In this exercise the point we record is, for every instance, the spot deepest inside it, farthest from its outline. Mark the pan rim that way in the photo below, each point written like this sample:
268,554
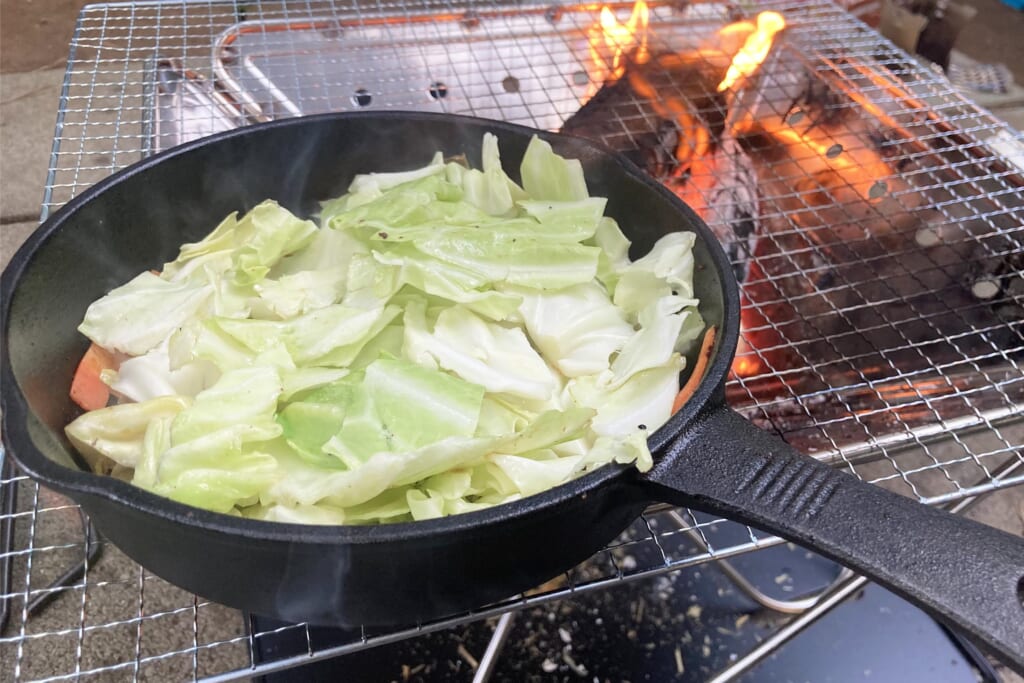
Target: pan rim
77,482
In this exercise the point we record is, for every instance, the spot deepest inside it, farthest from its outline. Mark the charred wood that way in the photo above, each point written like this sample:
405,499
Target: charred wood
667,117
662,114
631,126
995,268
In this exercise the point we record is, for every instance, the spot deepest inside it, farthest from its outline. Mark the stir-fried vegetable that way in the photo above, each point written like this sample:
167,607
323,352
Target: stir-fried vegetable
444,340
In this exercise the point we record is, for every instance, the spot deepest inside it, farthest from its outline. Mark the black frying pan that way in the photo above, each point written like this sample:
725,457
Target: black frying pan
707,457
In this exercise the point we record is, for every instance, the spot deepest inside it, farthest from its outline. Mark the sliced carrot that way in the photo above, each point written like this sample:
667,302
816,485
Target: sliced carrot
690,388
87,389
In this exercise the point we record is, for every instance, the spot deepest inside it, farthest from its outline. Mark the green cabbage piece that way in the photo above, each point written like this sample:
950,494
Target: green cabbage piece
302,292
243,249
140,378
448,281
663,331
137,316
530,475
420,405
313,338
567,221
530,262
270,233
498,358
614,255
643,402
312,419
213,251
666,270
548,176
379,182
117,432
401,406
213,457
577,329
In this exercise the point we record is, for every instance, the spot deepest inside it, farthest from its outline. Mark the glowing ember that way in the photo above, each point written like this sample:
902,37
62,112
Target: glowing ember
611,42
754,49
857,166
746,364
755,331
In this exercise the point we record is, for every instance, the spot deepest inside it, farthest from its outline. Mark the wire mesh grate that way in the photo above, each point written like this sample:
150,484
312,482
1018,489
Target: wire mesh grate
879,254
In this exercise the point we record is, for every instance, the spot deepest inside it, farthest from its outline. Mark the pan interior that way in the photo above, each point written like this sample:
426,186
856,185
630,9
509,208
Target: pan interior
137,220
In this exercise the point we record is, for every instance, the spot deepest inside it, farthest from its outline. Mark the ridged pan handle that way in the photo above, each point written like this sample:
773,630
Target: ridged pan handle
968,575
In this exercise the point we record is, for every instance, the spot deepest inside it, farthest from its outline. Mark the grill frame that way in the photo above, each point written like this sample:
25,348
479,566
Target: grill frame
106,120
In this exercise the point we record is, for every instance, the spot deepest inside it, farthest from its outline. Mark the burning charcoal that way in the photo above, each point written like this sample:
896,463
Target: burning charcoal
662,114
667,117
1010,312
629,125
730,205
1012,309
785,89
984,273
1015,289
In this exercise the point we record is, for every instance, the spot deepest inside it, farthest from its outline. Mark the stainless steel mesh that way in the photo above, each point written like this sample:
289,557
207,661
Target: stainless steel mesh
881,203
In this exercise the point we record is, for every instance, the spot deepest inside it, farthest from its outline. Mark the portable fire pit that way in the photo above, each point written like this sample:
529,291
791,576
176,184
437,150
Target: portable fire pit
874,227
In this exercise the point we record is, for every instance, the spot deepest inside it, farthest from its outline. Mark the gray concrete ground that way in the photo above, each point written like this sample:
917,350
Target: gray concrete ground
29,89
28,110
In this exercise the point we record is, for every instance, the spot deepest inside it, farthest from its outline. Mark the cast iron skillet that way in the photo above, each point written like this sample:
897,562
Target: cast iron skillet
707,457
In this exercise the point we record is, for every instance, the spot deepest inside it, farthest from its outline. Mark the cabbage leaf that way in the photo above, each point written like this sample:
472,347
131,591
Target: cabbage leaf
438,341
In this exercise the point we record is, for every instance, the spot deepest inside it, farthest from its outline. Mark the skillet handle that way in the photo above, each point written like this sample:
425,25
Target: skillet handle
966,574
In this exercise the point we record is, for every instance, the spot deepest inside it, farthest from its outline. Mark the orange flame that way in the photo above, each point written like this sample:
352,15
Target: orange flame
755,331
859,166
614,44
610,41
754,49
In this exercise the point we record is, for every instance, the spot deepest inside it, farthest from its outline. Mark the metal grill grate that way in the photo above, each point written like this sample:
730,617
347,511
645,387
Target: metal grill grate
865,343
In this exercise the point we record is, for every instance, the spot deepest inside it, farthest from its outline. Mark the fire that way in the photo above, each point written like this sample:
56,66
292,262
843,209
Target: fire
611,42
755,49
755,330
617,50
858,166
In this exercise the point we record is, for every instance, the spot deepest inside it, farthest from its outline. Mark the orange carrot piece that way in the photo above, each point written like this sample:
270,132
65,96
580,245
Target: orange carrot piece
87,389
690,388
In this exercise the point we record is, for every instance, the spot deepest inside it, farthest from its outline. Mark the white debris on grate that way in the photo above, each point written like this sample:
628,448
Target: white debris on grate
1010,147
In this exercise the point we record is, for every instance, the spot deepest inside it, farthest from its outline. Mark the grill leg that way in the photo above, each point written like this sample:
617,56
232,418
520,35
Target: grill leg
94,548
750,590
493,651
834,596
504,626
8,506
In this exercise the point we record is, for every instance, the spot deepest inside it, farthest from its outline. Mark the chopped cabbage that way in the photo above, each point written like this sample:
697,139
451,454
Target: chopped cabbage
444,339
137,316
